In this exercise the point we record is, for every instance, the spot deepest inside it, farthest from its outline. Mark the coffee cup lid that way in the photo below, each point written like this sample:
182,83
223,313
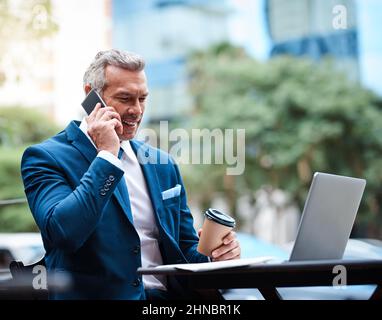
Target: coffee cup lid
220,217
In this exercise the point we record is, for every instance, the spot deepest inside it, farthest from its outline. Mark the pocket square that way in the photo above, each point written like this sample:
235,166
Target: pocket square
173,192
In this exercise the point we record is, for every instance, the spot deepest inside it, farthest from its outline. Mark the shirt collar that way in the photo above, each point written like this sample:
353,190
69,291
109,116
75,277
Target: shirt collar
126,146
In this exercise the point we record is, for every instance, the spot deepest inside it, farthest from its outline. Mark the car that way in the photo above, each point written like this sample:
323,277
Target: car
252,247
25,247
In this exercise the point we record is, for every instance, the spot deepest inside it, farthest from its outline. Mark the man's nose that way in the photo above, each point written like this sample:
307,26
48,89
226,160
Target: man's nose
135,108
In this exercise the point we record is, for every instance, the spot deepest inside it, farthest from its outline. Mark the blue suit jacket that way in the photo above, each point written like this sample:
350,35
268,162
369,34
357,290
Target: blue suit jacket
80,204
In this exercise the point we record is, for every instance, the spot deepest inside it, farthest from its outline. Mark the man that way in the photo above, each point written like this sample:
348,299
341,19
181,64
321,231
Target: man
100,211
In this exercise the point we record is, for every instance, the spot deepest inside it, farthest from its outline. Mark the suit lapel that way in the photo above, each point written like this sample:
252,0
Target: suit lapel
77,138
152,181
86,148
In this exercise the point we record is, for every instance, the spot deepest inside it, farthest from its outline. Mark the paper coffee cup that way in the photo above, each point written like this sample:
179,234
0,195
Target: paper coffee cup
215,227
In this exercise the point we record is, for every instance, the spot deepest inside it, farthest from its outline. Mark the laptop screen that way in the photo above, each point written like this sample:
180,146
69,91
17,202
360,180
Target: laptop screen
328,217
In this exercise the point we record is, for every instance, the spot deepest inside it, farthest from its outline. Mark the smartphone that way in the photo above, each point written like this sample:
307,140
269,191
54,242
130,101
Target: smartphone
91,100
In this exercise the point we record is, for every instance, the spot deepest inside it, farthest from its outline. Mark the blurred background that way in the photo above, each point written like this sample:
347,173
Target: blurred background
302,77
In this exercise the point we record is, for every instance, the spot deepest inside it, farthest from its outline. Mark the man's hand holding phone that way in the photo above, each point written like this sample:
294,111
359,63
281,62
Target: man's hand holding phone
104,125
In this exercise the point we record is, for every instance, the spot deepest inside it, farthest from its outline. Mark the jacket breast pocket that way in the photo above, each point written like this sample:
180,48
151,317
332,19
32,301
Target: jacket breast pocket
172,202
171,217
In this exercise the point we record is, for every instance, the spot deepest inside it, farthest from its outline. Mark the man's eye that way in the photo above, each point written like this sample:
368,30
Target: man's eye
142,99
124,100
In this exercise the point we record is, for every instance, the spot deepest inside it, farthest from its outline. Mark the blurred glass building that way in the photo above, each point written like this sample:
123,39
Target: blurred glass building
164,32
316,29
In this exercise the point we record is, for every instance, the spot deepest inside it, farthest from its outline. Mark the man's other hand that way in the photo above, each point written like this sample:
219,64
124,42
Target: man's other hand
229,250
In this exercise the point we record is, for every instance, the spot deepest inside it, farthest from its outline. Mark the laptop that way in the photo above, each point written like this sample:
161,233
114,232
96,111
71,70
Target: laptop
328,217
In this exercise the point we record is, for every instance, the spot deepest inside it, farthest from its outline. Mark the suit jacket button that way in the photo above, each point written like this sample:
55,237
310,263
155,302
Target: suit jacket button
111,178
136,249
136,282
106,189
102,193
108,183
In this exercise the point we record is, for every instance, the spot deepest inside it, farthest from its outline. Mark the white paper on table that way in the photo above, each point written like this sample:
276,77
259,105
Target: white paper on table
219,265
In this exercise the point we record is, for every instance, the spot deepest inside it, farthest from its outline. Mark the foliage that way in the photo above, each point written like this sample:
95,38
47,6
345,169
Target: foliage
23,126
299,116
18,127
13,217
24,25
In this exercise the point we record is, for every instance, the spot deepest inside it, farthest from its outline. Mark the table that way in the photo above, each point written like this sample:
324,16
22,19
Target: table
267,277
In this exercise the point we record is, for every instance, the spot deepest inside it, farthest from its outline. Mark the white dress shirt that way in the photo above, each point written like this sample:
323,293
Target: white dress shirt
141,207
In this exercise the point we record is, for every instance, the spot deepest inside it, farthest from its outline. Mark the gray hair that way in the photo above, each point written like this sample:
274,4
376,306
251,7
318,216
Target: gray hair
95,74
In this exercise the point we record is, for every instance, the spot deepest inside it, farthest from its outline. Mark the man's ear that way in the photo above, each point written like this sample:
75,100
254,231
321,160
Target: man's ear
87,88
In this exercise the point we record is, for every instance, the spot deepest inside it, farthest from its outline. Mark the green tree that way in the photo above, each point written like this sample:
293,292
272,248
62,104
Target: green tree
299,116
24,25
19,127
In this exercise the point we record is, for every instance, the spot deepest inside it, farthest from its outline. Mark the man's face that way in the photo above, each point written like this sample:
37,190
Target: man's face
126,91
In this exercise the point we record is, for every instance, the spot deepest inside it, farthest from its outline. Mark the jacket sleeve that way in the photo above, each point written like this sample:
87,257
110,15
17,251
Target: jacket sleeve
65,215
188,238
